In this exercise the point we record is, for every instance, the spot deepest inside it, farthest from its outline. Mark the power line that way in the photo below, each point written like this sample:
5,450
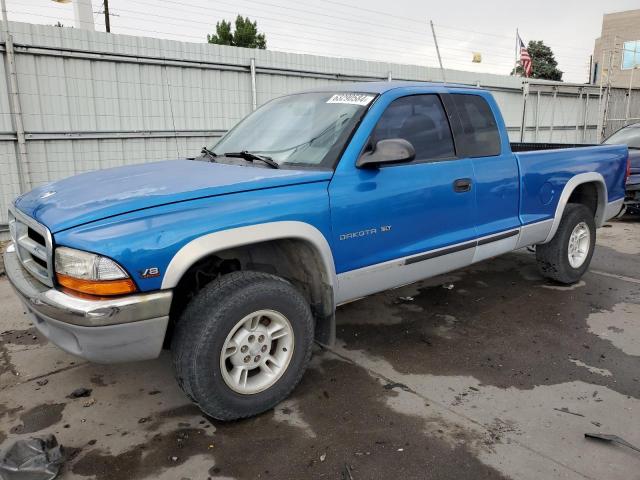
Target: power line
452,56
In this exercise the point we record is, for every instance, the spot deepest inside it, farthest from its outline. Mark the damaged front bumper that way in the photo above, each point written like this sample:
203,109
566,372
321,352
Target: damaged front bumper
114,330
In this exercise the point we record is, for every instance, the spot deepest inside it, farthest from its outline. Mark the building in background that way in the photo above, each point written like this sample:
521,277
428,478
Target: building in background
616,55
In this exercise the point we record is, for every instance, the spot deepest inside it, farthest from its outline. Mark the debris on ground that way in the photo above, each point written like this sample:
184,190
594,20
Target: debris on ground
566,410
392,385
90,402
406,299
80,392
32,459
611,439
347,473
43,382
323,457
448,286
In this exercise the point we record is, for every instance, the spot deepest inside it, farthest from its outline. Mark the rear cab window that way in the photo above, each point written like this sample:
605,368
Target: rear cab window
479,135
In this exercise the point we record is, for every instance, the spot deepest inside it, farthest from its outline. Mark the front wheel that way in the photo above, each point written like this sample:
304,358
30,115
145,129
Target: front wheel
568,255
242,344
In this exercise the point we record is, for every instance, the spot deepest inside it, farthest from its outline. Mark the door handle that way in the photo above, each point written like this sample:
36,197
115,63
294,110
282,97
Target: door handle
462,185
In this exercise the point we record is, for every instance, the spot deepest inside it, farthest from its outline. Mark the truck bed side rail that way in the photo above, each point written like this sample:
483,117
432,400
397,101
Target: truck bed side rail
534,146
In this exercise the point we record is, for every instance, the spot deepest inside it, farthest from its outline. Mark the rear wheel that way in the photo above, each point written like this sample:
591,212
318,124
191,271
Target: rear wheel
242,344
568,255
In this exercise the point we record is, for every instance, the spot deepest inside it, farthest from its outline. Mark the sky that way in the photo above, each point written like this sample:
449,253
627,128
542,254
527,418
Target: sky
379,30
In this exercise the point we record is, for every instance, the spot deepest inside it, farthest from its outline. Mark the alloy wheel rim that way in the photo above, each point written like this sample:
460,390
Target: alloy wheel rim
579,243
257,352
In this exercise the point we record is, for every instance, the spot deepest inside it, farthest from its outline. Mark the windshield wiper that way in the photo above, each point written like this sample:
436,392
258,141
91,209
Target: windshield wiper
208,153
252,157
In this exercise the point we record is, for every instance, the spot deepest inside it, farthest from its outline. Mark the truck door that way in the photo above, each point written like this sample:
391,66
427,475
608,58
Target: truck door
398,223
477,133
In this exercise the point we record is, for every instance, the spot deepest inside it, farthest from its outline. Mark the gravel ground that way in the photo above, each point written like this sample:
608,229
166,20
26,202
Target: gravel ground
489,372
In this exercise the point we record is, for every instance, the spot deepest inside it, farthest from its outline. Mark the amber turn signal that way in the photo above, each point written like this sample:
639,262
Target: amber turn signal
97,287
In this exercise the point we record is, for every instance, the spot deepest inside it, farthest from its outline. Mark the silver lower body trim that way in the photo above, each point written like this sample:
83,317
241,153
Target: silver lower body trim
402,271
534,233
613,208
395,273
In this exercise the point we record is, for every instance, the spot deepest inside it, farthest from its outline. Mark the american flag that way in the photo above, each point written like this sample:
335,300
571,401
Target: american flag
525,58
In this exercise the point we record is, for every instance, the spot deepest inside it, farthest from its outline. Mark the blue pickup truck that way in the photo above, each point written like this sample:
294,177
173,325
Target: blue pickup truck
236,260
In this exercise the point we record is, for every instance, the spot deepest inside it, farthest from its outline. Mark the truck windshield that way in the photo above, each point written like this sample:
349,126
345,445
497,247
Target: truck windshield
308,129
629,136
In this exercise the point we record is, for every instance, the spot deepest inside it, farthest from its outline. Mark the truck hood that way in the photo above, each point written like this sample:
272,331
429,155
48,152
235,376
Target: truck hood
96,195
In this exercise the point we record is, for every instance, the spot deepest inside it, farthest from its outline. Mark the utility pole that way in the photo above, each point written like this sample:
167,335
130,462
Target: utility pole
107,25
435,40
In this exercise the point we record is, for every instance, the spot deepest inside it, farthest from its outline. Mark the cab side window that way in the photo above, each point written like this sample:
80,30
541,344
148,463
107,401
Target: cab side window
421,120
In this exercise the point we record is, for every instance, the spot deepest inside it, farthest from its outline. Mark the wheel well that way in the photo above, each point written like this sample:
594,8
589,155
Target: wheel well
587,194
293,259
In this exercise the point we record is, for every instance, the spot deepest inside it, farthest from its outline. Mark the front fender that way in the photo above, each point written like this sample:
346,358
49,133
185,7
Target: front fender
211,243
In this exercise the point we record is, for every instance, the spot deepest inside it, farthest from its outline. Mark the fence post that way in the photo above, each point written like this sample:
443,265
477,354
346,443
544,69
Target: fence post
586,118
553,112
580,89
14,99
525,94
628,110
535,135
254,94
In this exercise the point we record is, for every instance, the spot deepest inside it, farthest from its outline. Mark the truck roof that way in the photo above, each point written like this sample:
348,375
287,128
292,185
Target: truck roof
383,86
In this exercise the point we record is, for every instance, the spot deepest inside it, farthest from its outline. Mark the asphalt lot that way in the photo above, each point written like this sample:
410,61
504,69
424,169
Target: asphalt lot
489,372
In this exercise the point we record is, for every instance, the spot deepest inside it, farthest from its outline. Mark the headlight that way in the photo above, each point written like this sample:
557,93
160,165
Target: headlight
90,273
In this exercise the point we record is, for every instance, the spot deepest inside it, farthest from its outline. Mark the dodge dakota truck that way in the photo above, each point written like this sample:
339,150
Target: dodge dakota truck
236,260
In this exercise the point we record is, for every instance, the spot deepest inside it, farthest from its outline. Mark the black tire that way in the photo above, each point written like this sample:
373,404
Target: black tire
203,328
553,257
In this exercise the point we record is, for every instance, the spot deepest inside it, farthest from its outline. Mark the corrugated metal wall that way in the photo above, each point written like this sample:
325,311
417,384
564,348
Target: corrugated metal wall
93,100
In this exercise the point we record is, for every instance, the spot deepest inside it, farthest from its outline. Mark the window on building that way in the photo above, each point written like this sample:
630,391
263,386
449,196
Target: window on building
631,54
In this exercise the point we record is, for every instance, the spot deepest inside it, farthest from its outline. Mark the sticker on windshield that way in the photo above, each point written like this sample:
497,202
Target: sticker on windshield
352,98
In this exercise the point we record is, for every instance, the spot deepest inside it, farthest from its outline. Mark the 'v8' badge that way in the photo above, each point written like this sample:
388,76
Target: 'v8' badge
150,272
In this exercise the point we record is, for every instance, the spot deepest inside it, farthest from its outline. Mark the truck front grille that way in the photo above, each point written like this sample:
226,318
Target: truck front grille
33,246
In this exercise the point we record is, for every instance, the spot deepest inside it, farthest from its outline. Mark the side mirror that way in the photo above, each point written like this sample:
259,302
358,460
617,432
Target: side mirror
392,150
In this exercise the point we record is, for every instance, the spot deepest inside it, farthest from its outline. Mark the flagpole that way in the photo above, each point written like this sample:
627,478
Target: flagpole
515,67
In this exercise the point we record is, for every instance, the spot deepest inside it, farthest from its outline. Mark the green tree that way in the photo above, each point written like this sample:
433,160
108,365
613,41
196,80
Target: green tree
543,62
245,34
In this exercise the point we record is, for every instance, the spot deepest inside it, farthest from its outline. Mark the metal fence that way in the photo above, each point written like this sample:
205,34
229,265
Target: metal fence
91,100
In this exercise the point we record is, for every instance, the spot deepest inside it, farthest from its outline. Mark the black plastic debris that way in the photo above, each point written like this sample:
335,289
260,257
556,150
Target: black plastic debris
605,437
392,385
32,459
80,392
